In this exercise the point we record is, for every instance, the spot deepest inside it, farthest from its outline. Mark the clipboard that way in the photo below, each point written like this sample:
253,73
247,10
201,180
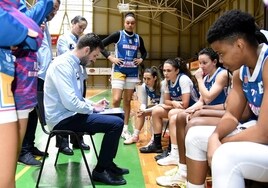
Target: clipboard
111,111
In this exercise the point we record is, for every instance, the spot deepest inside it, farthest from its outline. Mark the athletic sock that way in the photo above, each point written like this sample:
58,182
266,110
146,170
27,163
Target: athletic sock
136,132
174,150
183,169
157,139
189,185
125,128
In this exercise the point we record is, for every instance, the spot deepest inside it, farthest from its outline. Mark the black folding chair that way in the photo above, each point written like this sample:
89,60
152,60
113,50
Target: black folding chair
41,116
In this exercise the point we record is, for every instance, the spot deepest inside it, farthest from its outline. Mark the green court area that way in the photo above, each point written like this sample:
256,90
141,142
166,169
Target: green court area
70,171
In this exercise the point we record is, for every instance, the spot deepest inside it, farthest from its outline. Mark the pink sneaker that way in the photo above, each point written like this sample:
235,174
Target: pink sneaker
131,140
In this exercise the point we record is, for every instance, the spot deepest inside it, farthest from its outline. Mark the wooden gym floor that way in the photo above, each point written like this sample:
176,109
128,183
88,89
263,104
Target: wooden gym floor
70,171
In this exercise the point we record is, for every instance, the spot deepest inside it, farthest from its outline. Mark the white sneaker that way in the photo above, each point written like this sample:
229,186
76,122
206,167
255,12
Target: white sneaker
169,160
171,171
131,140
125,134
172,181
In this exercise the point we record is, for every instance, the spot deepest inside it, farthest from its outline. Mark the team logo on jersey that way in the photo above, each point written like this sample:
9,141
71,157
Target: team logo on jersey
260,87
245,81
77,76
71,47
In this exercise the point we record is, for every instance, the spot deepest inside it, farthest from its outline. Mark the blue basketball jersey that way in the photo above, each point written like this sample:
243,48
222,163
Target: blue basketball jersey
127,49
209,81
154,97
175,89
253,84
176,93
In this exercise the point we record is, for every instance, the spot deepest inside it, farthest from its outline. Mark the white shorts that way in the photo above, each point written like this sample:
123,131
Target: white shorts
196,140
233,162
120,84
23,114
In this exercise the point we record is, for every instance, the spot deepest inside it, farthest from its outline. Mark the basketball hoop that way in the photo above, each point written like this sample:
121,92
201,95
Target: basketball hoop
123,7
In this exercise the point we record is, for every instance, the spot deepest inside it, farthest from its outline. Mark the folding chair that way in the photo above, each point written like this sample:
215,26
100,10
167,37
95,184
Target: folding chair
41,116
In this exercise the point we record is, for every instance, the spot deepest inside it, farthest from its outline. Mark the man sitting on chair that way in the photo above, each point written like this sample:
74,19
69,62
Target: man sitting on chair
66,109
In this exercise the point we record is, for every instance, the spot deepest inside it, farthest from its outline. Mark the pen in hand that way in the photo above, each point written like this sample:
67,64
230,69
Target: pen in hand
104,102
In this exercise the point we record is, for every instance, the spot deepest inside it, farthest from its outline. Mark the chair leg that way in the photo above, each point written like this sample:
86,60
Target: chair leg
57,156
94,147
165,129
43,162
85,160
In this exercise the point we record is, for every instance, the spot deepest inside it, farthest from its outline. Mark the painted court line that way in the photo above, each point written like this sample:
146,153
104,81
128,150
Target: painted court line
24,170
98,94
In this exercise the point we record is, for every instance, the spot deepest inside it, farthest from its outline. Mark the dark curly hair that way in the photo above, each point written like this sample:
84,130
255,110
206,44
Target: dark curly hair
211,54
235,24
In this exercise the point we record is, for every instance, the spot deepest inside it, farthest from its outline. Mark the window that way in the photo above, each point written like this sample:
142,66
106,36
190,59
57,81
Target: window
61,23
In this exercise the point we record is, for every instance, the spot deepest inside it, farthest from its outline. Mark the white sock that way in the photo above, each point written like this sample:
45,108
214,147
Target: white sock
136,132
174,150
183,169
125,128
189,185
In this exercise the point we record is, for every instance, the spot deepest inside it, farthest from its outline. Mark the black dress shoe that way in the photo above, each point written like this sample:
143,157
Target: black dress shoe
108,178
152,148
117,170
66,151
84,146
36,152
81,140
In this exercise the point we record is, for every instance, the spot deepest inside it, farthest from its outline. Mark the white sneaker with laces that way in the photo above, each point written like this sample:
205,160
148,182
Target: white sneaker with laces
131,140
125,134
174,180
171,171
169,160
